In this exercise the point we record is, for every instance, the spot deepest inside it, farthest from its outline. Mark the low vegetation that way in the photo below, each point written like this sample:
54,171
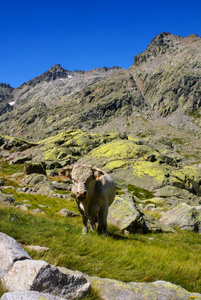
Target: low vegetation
170,257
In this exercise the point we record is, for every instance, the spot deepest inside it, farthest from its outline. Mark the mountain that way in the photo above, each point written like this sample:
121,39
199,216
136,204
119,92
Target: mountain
160,92
6,97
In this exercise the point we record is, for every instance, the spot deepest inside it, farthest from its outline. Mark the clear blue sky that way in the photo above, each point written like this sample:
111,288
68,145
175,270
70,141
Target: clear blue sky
82,35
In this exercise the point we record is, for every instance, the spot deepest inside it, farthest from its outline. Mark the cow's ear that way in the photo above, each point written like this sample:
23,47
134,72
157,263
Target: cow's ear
66,172
97,173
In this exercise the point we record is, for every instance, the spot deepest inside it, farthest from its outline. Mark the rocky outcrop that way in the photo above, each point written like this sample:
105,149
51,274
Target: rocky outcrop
160,290
34,280
15,143
184,217
10,252
7,198
30,168
29,295
126,215
42,277
6,96
118,290
18,272
170,84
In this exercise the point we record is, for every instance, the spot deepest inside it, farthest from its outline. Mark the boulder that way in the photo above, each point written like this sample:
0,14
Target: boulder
40,276
37,248
21,159
184,217
29,295
189,178
7,198
154,225
118,290
42,185
53,165
126,215
62,185
10,252
160,290
30,168
67,213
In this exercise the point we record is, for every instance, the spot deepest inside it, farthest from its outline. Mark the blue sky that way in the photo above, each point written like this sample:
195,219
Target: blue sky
83,35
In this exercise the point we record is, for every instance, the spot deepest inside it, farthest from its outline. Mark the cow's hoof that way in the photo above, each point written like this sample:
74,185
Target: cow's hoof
84,230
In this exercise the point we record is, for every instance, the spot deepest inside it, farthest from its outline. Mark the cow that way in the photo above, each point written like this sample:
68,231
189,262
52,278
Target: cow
94,192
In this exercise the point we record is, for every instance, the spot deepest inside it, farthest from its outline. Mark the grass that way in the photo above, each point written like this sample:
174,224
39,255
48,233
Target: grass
170,257
174,257
140,193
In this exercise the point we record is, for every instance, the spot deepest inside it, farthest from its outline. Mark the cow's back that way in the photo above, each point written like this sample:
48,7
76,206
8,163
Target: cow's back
109,188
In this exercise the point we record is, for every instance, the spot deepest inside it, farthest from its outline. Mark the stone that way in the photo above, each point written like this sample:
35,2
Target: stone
37,248
39,182
29,295
184,217
67,213
1,182
189,178
23,207
30,168
40,276
110,289
21,159
34,179
7,198
10,252
160,290
61,185
37,211
154,225
126,215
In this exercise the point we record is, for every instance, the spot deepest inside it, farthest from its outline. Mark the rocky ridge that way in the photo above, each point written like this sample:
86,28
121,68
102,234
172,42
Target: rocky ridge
161,89
141,125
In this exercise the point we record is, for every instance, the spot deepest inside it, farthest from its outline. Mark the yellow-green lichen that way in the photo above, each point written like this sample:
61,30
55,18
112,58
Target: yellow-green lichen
121,149
155,170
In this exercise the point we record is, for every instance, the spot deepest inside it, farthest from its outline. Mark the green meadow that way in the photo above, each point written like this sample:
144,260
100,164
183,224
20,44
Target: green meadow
174,257
171,257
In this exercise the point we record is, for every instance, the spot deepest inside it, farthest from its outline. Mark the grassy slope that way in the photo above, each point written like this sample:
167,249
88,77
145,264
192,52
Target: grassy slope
171,257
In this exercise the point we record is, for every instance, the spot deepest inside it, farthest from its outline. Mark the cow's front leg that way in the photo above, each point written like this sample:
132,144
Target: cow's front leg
81,209
85,227
92,223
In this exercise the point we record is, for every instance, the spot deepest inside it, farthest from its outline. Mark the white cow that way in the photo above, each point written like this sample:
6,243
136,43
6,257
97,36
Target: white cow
95,191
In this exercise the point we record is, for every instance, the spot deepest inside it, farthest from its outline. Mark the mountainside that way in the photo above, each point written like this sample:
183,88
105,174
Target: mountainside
163,85
143,127
6,96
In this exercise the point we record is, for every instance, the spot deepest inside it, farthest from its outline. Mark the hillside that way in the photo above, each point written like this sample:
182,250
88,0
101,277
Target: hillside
143,127
162,86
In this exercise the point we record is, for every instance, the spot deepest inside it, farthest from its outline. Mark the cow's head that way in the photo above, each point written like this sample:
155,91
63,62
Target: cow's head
83,177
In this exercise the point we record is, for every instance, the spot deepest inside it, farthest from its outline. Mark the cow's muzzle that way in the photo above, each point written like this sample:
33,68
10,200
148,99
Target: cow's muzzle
81,195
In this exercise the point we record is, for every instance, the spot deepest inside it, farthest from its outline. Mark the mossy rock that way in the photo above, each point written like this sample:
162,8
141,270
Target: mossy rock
30,168
189,178
149,175
184,217
8,143
126,215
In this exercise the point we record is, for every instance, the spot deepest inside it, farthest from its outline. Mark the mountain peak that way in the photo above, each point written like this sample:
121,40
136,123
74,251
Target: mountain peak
158,45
